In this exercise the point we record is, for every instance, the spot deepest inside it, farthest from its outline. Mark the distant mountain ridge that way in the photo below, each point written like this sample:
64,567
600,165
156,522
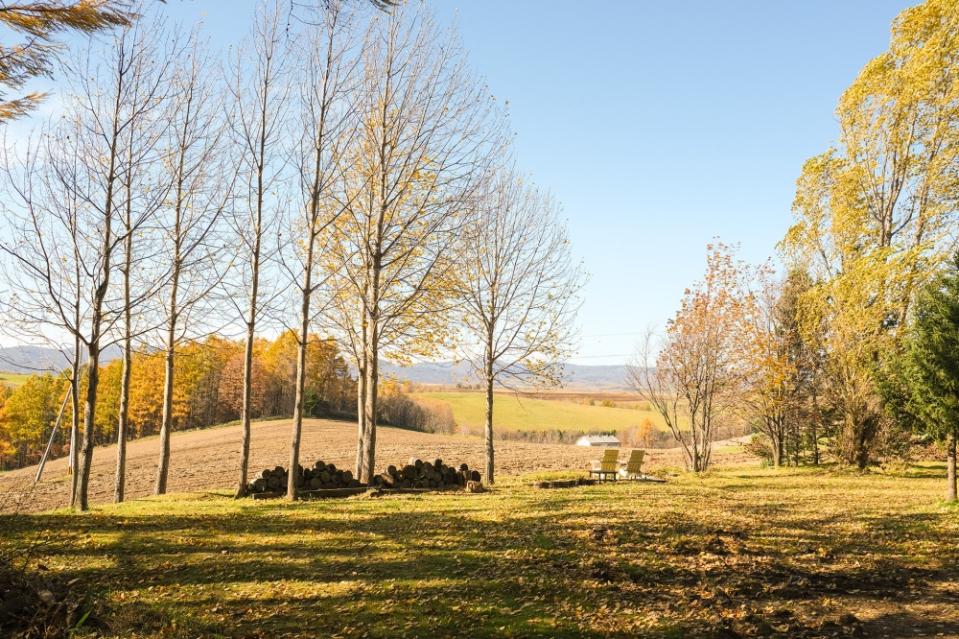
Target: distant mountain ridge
38,359
32,358
577,376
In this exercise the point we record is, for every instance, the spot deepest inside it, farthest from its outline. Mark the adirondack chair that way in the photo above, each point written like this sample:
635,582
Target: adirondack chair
633,468
608,467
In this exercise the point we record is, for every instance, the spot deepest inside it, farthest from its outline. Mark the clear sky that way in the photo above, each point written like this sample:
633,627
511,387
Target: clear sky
658,125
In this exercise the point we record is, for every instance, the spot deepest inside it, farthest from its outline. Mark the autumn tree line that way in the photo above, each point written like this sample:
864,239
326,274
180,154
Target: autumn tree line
208,390
342,172
848,351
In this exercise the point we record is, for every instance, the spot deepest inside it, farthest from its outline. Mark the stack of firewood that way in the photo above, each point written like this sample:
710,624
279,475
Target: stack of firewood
428,475
320,476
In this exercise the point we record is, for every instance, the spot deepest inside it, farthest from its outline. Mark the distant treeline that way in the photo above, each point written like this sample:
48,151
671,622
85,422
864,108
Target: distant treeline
208,390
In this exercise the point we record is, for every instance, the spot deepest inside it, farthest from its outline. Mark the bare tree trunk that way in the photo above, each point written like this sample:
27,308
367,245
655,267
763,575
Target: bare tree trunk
248,366
74,421
489,408
166,418
247,396
777,446
862,437
951,494
89,417
96,328
302,343
372,380
360,418
122,422
93,359
814,435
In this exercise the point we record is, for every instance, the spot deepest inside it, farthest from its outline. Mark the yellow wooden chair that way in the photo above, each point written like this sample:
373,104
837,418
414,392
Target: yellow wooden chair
633,468
608,467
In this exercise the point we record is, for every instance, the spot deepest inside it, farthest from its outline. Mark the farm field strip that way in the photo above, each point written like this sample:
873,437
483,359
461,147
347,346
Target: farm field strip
208,459
517,412
13,379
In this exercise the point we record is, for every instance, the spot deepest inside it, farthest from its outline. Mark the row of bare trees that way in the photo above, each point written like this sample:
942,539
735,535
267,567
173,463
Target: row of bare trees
346,164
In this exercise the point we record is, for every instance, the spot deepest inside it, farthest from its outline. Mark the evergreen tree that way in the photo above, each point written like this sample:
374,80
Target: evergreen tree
928,381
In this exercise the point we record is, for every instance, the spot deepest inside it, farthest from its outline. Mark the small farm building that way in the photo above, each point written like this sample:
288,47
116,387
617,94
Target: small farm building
597,440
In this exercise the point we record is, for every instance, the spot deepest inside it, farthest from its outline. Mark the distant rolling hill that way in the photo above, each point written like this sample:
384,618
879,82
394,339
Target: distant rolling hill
32,359
577,376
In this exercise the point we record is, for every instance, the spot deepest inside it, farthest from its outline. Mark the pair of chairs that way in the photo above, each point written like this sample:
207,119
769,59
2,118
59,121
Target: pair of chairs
609,467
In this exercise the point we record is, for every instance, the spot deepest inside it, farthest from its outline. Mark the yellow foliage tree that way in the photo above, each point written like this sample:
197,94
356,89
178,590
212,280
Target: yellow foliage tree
875,216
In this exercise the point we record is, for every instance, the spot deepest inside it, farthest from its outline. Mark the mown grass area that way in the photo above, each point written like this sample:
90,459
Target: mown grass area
741,552
513,412
13,379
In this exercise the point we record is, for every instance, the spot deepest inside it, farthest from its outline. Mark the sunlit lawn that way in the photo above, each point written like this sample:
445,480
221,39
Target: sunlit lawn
740,552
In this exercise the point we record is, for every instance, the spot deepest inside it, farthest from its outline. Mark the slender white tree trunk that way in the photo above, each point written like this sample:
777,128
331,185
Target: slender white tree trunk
370,408
166,417
247,391
489,408
360,417
123,420
74,422
302,343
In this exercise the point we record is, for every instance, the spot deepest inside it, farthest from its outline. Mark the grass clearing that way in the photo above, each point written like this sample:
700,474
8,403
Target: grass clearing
736,552
13,380
514,412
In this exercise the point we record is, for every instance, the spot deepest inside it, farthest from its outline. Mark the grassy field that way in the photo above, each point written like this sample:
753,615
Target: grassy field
13,379
514,412
836,555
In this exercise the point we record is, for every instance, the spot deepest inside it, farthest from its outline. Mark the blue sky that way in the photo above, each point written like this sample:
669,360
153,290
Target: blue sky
658,125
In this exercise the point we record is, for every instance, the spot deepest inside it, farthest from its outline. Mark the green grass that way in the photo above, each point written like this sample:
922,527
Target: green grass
13,379
739,552
512,412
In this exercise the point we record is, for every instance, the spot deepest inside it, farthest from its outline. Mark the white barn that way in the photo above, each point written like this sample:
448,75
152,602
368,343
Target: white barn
598,440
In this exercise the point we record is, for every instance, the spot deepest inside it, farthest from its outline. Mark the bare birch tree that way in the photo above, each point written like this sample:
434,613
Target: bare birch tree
428,130
327,121
142,198
259,89
29,316
61,250
200,187
519,291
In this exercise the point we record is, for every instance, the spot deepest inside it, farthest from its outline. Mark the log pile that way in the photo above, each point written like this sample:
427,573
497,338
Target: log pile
320,476
433,475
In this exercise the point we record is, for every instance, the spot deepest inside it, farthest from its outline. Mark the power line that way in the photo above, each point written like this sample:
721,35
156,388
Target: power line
615,334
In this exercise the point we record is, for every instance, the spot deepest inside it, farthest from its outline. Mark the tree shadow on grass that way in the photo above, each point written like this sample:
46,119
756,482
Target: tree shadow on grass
902,624
424,566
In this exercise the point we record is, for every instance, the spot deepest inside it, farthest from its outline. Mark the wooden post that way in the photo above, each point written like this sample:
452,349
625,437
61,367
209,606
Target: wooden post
53,434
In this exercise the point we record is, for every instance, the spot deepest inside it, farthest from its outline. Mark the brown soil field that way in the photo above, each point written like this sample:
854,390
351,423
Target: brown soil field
207,459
